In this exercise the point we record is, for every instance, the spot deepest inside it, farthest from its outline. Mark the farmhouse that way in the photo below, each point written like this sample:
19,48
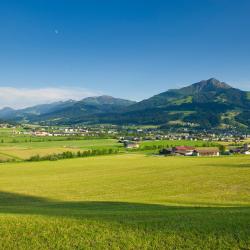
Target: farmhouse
41,133
207,152
183,150
246,147
131,144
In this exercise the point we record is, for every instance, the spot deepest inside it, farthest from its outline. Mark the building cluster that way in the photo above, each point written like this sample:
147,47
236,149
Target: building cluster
6,125
204,151
245,149
190,151
131,144
68,131
156,134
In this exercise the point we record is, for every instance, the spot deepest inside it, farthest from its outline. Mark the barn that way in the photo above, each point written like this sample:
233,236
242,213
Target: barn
207,152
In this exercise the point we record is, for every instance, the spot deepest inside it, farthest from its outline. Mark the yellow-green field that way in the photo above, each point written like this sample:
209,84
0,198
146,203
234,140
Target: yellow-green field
128,201
25,150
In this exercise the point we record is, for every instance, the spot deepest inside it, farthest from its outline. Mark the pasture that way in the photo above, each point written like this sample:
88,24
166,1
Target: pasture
128,201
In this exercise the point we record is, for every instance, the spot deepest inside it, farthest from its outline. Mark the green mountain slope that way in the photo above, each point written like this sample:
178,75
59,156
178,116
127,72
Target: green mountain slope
208,103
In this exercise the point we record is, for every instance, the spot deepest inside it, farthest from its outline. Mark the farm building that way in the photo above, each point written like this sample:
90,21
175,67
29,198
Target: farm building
246,147
183,150
207,152
131,144
190,151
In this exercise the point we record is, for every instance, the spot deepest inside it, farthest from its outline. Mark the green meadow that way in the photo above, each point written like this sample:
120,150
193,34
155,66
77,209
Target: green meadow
128,201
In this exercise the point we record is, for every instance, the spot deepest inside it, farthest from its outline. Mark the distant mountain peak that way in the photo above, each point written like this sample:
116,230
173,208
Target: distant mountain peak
7,109
106,100
210,84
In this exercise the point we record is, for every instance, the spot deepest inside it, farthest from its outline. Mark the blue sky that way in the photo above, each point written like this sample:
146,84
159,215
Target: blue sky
124,48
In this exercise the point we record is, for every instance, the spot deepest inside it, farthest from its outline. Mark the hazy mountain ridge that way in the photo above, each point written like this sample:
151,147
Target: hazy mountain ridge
13,114
67,110
86,109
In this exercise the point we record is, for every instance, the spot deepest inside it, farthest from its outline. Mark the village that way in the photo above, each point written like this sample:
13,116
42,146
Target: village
126,133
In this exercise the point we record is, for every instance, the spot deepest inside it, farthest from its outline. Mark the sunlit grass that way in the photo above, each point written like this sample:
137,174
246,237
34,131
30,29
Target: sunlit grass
126,202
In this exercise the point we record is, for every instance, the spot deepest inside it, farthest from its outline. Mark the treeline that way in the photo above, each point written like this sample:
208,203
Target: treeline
70,155
50,138
7,160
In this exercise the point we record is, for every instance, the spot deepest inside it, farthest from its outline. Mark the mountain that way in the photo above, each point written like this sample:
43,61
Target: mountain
86,110
106,100
28,113
67,111
210,90
6,112
205,104
208,103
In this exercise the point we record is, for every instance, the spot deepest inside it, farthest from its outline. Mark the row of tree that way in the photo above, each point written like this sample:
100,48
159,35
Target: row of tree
69,154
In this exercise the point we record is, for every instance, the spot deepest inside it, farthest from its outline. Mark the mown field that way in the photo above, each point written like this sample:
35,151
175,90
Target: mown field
128,201
24,150
22,147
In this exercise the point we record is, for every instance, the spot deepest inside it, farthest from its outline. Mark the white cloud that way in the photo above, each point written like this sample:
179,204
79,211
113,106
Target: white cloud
25,97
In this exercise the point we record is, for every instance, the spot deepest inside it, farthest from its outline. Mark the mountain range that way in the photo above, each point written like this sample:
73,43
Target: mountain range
205,104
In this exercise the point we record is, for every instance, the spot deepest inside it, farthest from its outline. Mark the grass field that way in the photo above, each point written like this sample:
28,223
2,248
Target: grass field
24,150
128,201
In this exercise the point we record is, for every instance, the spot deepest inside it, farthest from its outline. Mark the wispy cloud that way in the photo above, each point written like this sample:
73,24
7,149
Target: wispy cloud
24,97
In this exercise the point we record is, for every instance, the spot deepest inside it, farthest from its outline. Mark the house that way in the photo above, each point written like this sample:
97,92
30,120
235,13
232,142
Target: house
183,150
40,133
131,144
235,150
241,150
246,147
246,153
206,152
